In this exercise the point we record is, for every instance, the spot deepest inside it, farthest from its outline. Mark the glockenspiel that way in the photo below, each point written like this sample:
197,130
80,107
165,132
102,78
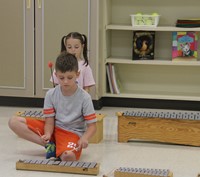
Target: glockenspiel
139,172
167,126
38,114
142,172
76,167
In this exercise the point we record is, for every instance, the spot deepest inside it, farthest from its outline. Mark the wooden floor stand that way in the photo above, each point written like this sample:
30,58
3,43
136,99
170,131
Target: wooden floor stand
75,167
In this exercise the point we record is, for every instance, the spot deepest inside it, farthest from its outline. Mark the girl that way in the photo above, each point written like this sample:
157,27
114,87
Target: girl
76,44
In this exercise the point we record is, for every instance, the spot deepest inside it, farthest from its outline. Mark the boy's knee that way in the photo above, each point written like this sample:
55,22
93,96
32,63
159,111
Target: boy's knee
68,156
11,122
14,121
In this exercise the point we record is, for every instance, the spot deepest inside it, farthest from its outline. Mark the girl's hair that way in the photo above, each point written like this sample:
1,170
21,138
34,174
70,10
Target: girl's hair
66,62
83,40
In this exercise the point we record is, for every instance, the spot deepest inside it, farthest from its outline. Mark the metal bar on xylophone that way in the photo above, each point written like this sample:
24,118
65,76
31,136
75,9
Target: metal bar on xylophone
143,172
164,114
34,114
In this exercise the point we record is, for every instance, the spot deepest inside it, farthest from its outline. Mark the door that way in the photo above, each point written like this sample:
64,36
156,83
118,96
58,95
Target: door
16,48
54,19
30,35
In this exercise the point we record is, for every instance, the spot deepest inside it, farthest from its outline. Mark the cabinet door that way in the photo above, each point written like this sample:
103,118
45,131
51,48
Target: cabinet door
31,32
55,19
16,48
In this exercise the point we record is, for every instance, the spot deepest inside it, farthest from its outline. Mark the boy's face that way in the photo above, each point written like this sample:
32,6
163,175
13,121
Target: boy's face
67,80
74,47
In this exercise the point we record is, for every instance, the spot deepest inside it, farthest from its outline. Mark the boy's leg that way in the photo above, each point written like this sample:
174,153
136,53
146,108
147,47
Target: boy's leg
66,145
19,126
68,156
31,130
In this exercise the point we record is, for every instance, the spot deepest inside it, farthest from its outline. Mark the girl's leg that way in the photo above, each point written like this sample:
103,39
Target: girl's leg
19,126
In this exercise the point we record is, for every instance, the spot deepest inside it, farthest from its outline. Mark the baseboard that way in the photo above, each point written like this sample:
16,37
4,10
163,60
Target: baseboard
34,102
151,103
98,104
21,101
110,102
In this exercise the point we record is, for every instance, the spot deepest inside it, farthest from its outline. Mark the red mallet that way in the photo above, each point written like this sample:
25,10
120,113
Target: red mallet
50,65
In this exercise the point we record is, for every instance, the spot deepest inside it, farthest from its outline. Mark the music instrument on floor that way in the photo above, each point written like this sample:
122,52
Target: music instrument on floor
167,126
38,114
76,167
140,172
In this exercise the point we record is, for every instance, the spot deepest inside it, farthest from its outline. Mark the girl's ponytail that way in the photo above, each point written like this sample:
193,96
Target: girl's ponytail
85,54
63,48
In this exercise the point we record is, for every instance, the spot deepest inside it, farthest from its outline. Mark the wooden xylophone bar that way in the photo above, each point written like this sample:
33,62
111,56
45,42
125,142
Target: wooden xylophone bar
168,126
89,168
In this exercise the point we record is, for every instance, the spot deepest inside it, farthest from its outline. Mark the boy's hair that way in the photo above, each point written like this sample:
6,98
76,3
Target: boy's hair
66,62
83,40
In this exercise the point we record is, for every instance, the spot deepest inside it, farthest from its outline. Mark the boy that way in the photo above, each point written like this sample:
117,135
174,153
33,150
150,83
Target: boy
66,106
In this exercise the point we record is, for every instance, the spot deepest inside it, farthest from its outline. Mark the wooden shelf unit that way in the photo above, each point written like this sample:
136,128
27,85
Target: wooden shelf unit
160,78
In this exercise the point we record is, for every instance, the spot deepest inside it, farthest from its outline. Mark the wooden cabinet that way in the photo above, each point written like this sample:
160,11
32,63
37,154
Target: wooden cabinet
149,79
17,54
30,34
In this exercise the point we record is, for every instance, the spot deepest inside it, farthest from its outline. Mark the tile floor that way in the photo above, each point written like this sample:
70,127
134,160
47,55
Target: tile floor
183,161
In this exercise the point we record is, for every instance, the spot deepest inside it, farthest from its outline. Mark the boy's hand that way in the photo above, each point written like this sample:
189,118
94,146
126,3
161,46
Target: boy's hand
83,143
45,138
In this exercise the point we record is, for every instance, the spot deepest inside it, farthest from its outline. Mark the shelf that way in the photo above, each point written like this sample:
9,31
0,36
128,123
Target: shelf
158,28
162,77
152,62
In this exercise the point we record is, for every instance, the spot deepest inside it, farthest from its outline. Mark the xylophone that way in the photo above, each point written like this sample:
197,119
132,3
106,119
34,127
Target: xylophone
38,114
141,172
168,126
89,168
